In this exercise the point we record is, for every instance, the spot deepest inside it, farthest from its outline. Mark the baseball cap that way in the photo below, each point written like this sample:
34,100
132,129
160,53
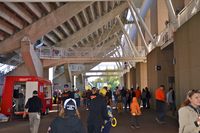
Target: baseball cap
35,92
103,91
66,86
70,104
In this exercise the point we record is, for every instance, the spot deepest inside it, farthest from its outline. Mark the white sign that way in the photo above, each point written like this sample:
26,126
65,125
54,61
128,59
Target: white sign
77,67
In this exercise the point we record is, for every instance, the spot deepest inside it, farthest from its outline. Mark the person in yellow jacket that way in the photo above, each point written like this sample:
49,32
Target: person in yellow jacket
135,112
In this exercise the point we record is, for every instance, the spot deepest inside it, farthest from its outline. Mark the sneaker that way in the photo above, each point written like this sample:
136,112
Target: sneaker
137,127
133,127
160,122
157,120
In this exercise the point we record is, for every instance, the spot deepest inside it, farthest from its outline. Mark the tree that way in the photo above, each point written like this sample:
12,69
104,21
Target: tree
112,81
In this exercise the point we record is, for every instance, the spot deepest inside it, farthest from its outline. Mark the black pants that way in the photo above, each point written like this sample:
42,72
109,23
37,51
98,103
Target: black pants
94,128
134,120
160,109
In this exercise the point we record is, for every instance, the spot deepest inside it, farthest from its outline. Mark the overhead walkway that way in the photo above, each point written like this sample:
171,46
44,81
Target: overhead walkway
147,121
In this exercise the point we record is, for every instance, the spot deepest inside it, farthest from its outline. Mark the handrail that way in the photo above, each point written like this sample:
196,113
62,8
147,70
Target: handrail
166,36
188,11
55,53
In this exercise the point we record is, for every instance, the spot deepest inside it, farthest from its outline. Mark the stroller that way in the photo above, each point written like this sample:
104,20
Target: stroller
112,122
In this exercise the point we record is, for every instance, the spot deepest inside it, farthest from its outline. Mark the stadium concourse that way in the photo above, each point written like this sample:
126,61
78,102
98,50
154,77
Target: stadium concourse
147,121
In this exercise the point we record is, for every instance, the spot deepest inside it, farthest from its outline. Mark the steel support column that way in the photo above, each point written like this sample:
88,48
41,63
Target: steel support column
172,15
134,9
129,41
139,28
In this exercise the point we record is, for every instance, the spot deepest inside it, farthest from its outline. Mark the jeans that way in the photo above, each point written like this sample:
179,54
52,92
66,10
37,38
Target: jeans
34,119
160,110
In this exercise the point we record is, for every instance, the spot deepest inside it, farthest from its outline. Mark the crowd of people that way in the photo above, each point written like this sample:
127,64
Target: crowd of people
101,102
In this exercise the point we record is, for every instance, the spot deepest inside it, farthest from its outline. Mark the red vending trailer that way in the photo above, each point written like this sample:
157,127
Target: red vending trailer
18,89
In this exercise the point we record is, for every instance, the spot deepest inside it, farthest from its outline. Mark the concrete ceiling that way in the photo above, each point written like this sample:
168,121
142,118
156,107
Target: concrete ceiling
71,25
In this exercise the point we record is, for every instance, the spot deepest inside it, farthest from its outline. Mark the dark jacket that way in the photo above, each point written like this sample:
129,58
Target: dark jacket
70,124
97,111
34,104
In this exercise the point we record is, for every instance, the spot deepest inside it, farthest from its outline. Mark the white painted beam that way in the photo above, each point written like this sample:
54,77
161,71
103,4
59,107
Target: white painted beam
102,75
58,4
172,15
112,4
99,8
65,29
58,33
139,29
46,42
43,26
19,10
51,38
106,6
8,16
46,6
92,12
133,7
85,16
79,21
34,9
114,70
129,41
89,29
105,36
72,25
6,27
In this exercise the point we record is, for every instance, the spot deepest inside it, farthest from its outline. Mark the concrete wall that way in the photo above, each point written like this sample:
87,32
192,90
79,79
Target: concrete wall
19,71
163,58
187,47
162,15
186,1
127,83
37,62
46,73
178,5
141,75
128,80
153,18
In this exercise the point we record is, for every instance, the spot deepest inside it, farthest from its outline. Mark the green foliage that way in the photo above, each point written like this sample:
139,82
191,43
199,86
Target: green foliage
112,81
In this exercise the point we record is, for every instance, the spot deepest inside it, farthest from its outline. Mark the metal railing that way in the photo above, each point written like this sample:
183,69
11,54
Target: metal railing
188,11
57,53
44,52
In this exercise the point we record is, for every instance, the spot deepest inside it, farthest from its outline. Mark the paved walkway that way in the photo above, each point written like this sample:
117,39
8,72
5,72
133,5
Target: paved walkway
147,121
